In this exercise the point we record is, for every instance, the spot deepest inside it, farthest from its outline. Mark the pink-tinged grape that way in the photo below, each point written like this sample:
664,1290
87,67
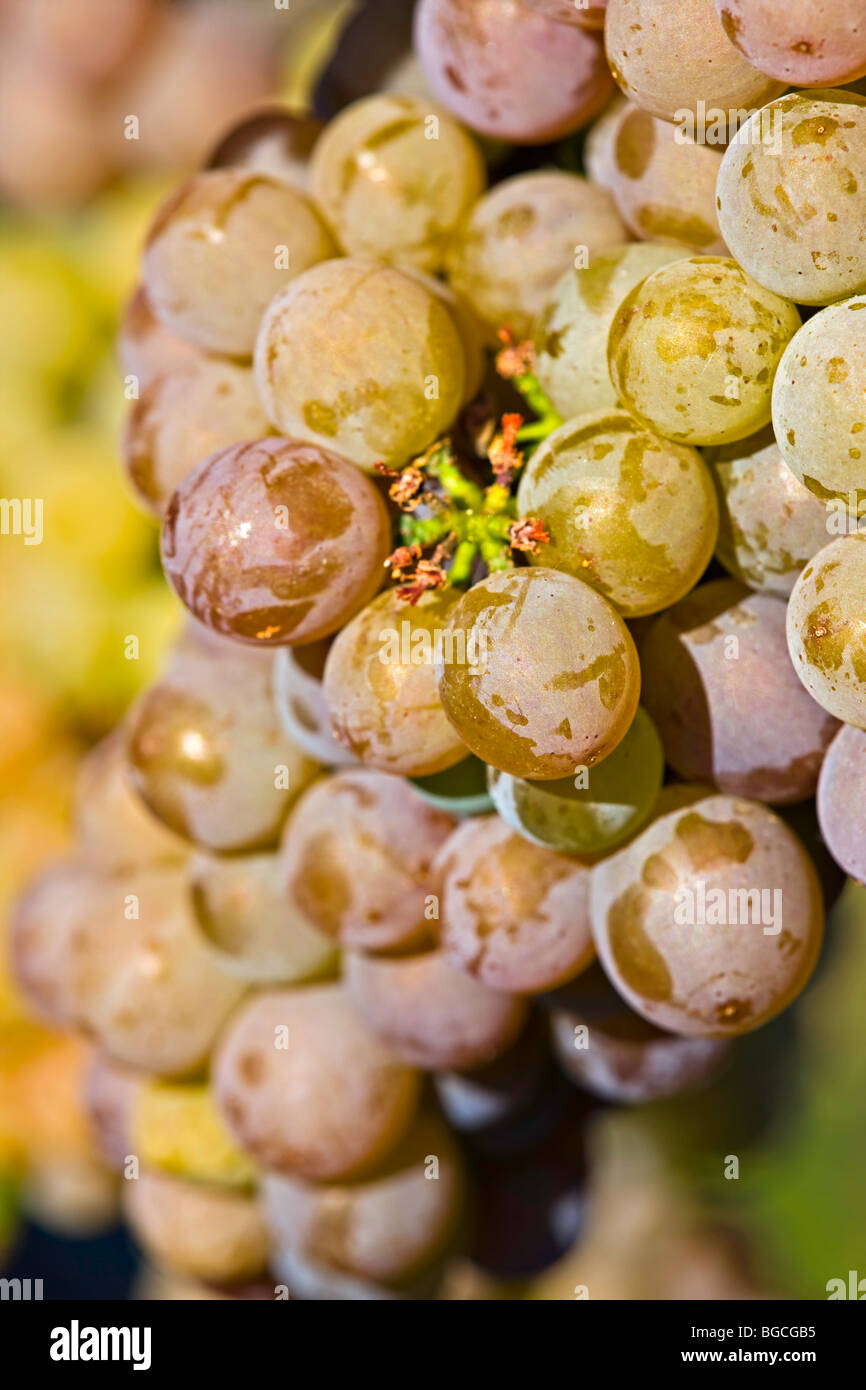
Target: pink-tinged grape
114,828
840,800
357,857
91,40
624,1059
221,247
206,752
521,237
792,196
804,43
770,525
380,685
358,357
182,417
145,347
110,1090
548,678
710,922
662,181
593,814
826,628
275,542
387,1227
694,349
514,916
819,406
571,333
716,674
272,140
302,709
587,14
44,925
431,1014
508,72
671,57
50,154
628,512
207,1233
259,935
394,178
308,1089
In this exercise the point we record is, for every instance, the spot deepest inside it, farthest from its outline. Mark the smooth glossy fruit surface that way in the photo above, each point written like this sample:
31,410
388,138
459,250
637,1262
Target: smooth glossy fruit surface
826,637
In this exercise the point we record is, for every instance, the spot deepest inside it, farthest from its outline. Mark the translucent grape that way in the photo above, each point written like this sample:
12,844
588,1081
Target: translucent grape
275,541
145,347
221,247
270,141
307,1088
380,684
826,634
571,333
630,513
508,72
183,416
715,676
513,915
819,410
626,1060
792,196
710,922
460,790
801,43
205,1232
114,828
302,709
547,677
357,859
521,237
175,1128
593,814
471,331
770,525
395,178
694,349
840,800
360,358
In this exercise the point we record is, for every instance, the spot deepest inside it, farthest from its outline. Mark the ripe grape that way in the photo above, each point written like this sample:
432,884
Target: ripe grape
114,828
840,800
792,196
270,141
45,923
694,349
431,1014
357,859
460,790
484,1102
145,347
514,915
395,178
801,43
380,684
632,514
507,72
826,637
521,237
275,541
819,411
571,333
549,679
204,1232
175,1128
360,358
582,12
710,922
471,331
770,525
593,815
181,417
221,247
668,58
302,709
715,676
307,1088
110,1090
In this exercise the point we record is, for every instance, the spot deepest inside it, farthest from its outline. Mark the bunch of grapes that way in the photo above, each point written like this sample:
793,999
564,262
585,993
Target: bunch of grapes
450,477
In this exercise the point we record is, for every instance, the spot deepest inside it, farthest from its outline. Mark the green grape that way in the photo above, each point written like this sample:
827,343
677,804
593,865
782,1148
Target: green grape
114,828
626,1060
802,44
694,349
221,247
792,196
395,177
380,685
514,915
460,790
710,922
257,932
819,408
357,859
307,1088
840,800
826,637
571,333
300,703
770,525
145,347
547,677
716,675
519,240
670,58
470,330
431,1014
588,815
362,359
207,1233
632,514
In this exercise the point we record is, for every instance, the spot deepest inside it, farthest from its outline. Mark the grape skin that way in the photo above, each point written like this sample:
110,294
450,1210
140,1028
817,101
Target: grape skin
630,1062
114,828
270,141
203,1232
803,44
299,700
825,628
579,12
145,347
840,800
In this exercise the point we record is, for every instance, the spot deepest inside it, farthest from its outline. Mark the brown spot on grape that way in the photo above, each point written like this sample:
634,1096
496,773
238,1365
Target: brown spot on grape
641,965
711,844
